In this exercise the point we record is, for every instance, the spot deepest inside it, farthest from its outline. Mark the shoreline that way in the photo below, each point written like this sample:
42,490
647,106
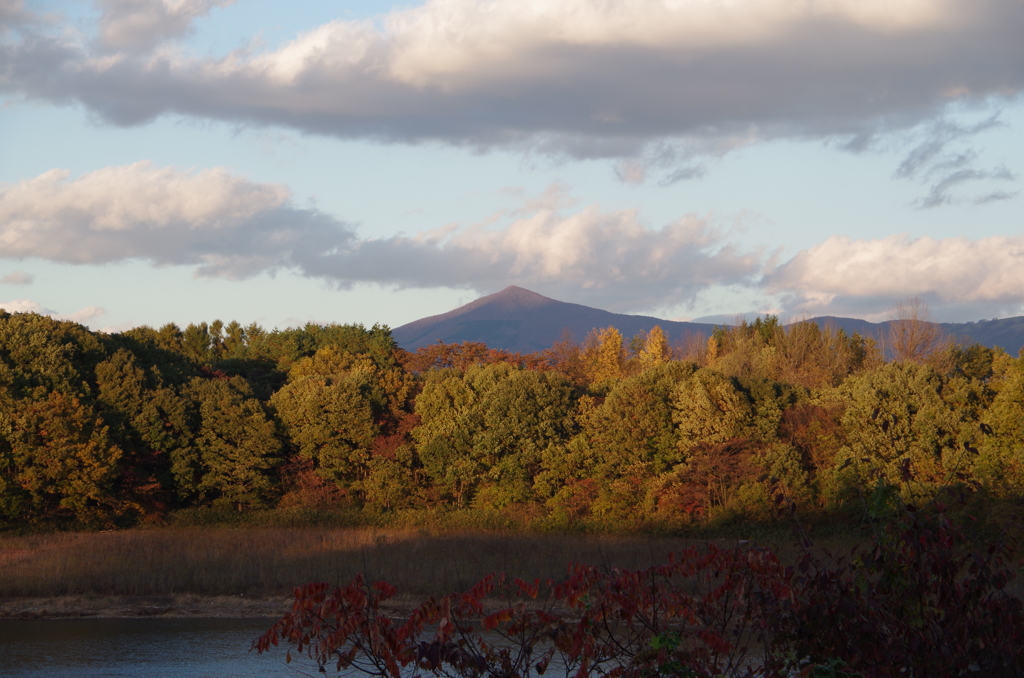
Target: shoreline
184,606
175,606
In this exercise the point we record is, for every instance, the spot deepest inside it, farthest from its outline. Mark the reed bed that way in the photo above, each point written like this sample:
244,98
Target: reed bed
268,561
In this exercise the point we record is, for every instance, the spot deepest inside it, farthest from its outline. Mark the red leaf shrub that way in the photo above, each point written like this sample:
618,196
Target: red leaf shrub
918,601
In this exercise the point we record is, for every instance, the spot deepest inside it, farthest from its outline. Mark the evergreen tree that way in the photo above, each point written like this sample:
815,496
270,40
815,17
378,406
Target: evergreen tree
236,447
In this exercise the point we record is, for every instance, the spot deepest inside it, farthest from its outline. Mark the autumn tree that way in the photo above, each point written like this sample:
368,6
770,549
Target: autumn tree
565,356
59,459
462,356
604,356
911,335
655,350
812,356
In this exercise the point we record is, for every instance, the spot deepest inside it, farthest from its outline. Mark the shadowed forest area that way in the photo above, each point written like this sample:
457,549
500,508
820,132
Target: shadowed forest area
338,425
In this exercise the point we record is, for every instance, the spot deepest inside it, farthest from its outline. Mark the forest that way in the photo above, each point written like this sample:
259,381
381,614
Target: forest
757,422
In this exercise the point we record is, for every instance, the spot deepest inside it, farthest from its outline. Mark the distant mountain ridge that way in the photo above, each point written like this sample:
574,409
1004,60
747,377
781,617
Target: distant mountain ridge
516,319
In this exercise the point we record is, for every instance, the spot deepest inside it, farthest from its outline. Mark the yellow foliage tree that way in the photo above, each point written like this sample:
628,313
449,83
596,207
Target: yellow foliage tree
655,349
606,356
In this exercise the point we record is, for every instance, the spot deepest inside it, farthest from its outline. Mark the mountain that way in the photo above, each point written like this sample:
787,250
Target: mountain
516,319
520,320
1006,333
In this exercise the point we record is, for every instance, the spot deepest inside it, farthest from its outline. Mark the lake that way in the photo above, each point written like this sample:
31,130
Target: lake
134,648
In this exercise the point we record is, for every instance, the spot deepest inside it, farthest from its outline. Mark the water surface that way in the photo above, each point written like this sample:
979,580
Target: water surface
140,648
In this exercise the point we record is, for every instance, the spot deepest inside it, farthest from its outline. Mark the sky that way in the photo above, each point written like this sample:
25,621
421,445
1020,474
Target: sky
360,161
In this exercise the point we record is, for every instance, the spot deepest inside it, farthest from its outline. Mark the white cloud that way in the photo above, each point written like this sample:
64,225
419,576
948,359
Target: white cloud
17,278
225,225
82,316
24,306
841,273
612,259
584,77
142,24
229,227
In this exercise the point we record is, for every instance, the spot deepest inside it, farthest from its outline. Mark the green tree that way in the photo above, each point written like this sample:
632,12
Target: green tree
709,408
1000,464
490,429
524,414
334,406
634,423
331,421
444,438
197,343
54,355
628,439
236,446
907,426
150,421
769,399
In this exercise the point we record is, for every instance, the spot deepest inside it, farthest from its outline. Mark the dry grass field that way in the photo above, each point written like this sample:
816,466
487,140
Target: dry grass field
269,561
249,571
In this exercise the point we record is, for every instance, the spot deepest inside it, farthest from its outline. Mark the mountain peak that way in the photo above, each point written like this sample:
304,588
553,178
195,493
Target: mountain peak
520,297
520,320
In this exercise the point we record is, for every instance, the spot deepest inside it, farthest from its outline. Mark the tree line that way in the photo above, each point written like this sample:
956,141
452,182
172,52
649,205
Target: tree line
116,429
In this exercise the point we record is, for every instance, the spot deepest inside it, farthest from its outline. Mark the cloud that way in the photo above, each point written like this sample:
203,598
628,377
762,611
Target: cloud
942,158
996,196
143,24
17,278
586,78
229,227
24,306
224,225
28,306
927,156
588,256
941,192
953,273
84,315
14,14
